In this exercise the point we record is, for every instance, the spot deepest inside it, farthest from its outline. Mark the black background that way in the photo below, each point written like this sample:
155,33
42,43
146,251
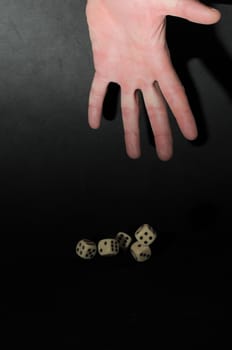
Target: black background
61,181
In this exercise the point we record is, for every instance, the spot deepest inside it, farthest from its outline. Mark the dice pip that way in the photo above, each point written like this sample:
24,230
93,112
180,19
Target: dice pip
108,247
86,249
124,240
145,234
140,252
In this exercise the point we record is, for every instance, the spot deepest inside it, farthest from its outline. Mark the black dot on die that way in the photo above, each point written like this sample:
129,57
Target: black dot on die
145,242
101,250
105,243
146,233
150,237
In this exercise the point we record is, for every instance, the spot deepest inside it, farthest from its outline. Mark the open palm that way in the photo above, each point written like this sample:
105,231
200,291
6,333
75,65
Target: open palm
129,47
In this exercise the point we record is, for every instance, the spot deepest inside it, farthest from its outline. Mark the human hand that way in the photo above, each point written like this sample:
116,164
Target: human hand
129,47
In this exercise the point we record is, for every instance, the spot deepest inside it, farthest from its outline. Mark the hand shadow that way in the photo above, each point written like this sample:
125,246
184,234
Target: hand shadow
201,42
111,101
186,40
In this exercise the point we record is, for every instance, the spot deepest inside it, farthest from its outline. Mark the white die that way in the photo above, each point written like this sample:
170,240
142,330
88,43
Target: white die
108,247
86,249
145,234
140,252
123,239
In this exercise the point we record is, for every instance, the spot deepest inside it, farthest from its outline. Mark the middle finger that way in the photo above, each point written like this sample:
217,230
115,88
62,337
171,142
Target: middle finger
158,116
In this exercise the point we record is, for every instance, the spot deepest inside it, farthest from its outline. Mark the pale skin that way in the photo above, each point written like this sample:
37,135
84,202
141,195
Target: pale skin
128,39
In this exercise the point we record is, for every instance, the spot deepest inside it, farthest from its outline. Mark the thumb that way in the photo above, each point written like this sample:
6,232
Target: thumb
194,11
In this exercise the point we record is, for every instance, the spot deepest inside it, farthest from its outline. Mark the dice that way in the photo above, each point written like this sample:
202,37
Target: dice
145,234
108,247
86,249
139,247
140,251
124,240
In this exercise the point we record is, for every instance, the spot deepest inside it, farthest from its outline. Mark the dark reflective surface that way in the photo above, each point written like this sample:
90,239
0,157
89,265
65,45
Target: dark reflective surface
60,181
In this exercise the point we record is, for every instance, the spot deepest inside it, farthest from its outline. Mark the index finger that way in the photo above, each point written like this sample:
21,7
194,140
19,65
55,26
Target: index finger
174,93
